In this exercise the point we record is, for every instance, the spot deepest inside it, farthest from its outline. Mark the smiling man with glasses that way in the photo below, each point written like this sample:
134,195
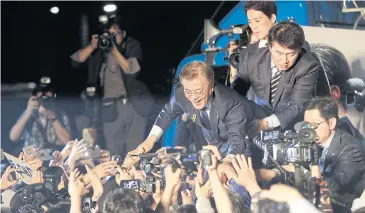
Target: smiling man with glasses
221,112
342,162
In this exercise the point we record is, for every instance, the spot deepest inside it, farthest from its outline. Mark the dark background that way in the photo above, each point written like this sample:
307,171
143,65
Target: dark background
36,43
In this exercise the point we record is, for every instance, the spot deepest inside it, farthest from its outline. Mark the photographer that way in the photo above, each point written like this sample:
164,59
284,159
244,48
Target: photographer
42,124
341,159
113,68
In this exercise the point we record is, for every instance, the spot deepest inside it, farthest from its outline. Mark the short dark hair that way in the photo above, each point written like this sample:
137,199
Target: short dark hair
333,65
124,200
119,21
326,106
287,34
267,7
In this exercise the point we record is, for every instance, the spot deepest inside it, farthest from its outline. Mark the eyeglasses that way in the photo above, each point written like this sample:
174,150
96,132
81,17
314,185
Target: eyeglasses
196,92
313,125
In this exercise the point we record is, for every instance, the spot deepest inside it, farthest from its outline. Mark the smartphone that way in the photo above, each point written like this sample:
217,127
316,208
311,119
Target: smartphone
130,184
29,153
88,136
116,158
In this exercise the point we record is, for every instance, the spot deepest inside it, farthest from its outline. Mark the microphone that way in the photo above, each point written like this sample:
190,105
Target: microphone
354,84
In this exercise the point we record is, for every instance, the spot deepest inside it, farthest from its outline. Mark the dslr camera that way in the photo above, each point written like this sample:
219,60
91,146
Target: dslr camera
48,102
288,147
148,185
106,39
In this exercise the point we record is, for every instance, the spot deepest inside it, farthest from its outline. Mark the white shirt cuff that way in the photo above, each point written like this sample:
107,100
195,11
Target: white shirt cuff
272,121
156,131
358,203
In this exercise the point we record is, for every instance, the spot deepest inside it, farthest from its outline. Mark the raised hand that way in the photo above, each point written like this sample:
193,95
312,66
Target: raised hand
76,186
105,169
6,182
95,183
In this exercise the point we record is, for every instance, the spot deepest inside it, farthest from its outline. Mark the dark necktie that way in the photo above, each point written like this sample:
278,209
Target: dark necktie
205,118
322,159
274,84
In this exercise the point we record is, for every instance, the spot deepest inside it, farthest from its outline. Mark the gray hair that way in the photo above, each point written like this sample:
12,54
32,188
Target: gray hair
195,69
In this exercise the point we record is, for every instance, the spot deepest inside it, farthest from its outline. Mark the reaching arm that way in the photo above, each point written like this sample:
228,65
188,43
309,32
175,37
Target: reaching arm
18,128
242,81
301,93
237,120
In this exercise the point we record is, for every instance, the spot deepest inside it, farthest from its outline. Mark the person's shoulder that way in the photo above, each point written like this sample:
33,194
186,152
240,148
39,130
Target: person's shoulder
179,92
132,41
348,140
306,58
227,95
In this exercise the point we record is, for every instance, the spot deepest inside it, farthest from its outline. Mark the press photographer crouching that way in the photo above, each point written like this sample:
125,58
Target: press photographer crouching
340,158
114,60
42,124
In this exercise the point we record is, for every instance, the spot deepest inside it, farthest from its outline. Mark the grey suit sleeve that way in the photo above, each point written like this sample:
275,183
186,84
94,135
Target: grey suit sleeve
350,166
170,112
242,83
236,120
302,92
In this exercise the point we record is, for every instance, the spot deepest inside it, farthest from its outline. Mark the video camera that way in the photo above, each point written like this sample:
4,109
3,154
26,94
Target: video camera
234,58
288,147
354,95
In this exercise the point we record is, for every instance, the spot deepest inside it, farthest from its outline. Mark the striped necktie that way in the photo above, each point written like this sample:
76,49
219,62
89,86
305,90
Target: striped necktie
204,118
274,84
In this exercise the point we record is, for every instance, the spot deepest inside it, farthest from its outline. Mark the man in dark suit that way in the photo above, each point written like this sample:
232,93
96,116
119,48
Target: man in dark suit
282,76
342,162
220,111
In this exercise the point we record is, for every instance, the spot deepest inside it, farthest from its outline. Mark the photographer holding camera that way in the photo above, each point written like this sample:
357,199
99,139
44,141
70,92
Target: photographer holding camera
42,124
341,157
114,61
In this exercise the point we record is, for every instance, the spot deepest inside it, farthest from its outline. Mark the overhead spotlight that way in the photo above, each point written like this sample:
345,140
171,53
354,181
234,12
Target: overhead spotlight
54,10
110,8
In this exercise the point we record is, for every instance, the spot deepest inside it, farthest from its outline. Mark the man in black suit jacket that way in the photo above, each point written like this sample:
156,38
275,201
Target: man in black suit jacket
220,111
282,76
342,162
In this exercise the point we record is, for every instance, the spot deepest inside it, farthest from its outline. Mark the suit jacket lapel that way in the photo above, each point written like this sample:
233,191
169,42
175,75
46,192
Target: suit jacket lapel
332,150
213,117
196,116
264,68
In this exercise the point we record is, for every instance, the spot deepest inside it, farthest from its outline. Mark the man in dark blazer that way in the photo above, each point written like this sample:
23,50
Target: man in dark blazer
342,162
220,111
282,76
